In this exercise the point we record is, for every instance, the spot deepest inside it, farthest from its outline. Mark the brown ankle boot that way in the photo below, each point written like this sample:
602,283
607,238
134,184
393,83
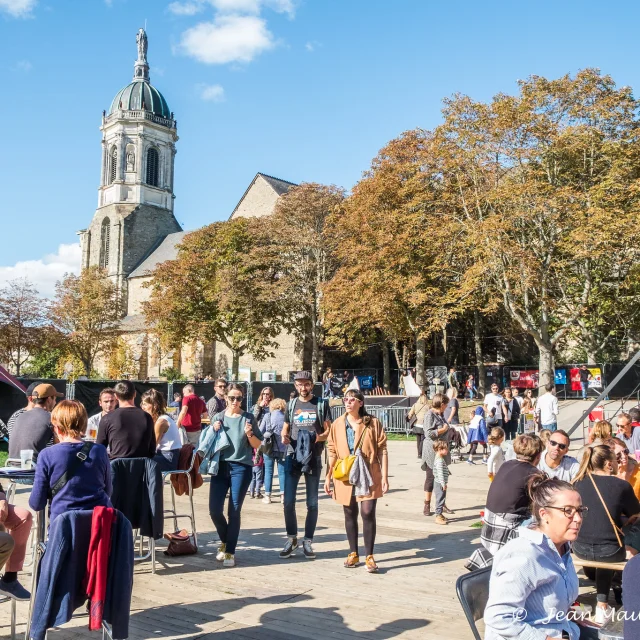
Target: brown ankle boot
427,509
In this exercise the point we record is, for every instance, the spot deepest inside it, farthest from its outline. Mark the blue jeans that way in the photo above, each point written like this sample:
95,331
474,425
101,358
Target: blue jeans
312,484
585,387
167,460
269,464
237,477
552,426
470,390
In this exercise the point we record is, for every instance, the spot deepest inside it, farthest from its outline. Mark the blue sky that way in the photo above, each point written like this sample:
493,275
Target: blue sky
306,90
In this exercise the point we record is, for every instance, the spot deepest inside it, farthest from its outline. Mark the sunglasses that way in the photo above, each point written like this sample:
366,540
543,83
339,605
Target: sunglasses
235,398
560,446
350,399
621,453
221,386
570,512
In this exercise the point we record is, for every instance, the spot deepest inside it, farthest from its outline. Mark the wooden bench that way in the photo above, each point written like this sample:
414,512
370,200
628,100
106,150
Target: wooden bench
595,564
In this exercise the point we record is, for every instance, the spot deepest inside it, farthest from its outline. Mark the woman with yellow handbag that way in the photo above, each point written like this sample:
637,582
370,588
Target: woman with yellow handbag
356,433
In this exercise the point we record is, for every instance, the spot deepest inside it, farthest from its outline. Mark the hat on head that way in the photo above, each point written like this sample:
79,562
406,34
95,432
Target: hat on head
479,411
302,375
31,387
45,391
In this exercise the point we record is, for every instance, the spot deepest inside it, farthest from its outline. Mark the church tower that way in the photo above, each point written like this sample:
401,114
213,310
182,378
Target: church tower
135,197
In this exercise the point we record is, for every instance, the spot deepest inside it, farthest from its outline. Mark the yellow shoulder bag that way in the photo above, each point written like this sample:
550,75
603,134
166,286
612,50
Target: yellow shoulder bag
342,468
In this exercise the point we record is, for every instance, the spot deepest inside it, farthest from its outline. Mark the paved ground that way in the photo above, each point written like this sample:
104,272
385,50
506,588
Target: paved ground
263,597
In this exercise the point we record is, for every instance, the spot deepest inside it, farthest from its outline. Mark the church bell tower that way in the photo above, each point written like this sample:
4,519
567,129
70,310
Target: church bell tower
135,196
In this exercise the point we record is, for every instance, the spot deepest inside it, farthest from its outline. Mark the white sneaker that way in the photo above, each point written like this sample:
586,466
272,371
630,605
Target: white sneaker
604,614
267,498
221,552
282,498
229,560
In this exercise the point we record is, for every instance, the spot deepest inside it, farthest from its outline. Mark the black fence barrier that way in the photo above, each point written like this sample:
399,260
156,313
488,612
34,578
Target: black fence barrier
280,390
88,391
629,386
12,399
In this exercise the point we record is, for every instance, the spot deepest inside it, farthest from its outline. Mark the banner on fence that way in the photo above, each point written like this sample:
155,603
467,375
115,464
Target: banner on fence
524,378
594,383
560,376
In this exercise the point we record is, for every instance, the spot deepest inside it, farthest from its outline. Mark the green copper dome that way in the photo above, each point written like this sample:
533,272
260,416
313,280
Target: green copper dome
140,94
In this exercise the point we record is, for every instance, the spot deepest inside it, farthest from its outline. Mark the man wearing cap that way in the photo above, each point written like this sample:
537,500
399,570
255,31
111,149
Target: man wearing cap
32,429
306,423
30,405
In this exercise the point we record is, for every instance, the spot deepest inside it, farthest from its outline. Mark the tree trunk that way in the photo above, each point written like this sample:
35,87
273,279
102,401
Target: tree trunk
87,367
477,338
396,353
315,350
545,366
386,366
18,363
420,349
591,358
235,364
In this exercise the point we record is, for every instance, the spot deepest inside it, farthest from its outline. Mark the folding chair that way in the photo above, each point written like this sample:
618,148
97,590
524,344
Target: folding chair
472,590
12,602
172,515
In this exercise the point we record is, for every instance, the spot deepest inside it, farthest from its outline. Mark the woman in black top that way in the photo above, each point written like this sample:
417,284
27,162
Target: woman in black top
599,540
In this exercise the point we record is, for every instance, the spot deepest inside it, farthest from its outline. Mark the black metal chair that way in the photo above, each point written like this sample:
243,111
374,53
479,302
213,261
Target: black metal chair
472,590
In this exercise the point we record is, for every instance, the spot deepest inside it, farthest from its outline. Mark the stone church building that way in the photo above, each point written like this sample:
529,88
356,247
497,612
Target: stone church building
134,228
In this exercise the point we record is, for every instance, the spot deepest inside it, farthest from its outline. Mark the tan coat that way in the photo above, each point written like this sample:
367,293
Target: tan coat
374,447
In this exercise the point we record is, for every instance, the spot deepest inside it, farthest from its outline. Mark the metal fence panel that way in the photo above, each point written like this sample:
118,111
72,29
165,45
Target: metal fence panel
392,419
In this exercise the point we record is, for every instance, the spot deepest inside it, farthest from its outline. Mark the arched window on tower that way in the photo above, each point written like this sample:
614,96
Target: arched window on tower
113,165
153,166
105,238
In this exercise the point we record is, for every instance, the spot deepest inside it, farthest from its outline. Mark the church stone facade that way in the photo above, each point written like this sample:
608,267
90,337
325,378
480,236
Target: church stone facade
134,228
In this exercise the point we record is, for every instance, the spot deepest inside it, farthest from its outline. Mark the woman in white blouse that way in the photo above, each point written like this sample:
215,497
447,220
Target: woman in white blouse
533,581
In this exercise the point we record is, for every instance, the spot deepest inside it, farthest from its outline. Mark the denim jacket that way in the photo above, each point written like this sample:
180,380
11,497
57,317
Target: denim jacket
211,443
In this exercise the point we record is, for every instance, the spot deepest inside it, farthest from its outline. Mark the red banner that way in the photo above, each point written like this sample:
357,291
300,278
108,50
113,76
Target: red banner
524,378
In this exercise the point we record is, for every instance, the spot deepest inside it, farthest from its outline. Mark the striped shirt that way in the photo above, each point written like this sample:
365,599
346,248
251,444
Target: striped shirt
441,471
532,587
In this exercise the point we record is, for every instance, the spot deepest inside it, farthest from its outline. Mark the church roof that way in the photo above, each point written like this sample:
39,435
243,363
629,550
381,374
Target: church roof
279,186
139,95
166,250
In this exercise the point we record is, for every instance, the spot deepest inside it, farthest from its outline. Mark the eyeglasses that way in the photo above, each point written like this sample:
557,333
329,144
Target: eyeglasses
349,400
235,398
570,512
560,446
221,386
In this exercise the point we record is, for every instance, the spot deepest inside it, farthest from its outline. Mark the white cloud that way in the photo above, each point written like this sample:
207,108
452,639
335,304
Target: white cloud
44,273
211,92
186,8
192,7
24,65
18,8
227,39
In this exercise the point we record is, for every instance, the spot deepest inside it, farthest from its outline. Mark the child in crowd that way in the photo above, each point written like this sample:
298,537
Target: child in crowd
441,475
258,475
478,434
496,457
544,435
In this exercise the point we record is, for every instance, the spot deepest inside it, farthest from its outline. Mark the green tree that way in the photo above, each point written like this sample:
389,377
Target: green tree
86,311
218,288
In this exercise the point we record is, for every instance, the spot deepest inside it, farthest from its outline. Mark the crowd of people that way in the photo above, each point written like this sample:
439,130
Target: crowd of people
240,449
536,509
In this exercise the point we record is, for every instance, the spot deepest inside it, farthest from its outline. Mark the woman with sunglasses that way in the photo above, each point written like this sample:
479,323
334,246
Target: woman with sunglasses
261,408
356,429
234,473
628,468
609,500
533,575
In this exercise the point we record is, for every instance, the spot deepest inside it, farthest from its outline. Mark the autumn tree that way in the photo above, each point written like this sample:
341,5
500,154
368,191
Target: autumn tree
395,270
22,317
545,186
296,239
86,311
218,289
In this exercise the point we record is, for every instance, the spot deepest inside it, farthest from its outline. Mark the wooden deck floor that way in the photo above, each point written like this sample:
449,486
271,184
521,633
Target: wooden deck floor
265,598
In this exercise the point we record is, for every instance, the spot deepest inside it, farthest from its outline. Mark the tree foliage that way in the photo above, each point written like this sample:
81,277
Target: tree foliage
86,311
22,318
218,288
